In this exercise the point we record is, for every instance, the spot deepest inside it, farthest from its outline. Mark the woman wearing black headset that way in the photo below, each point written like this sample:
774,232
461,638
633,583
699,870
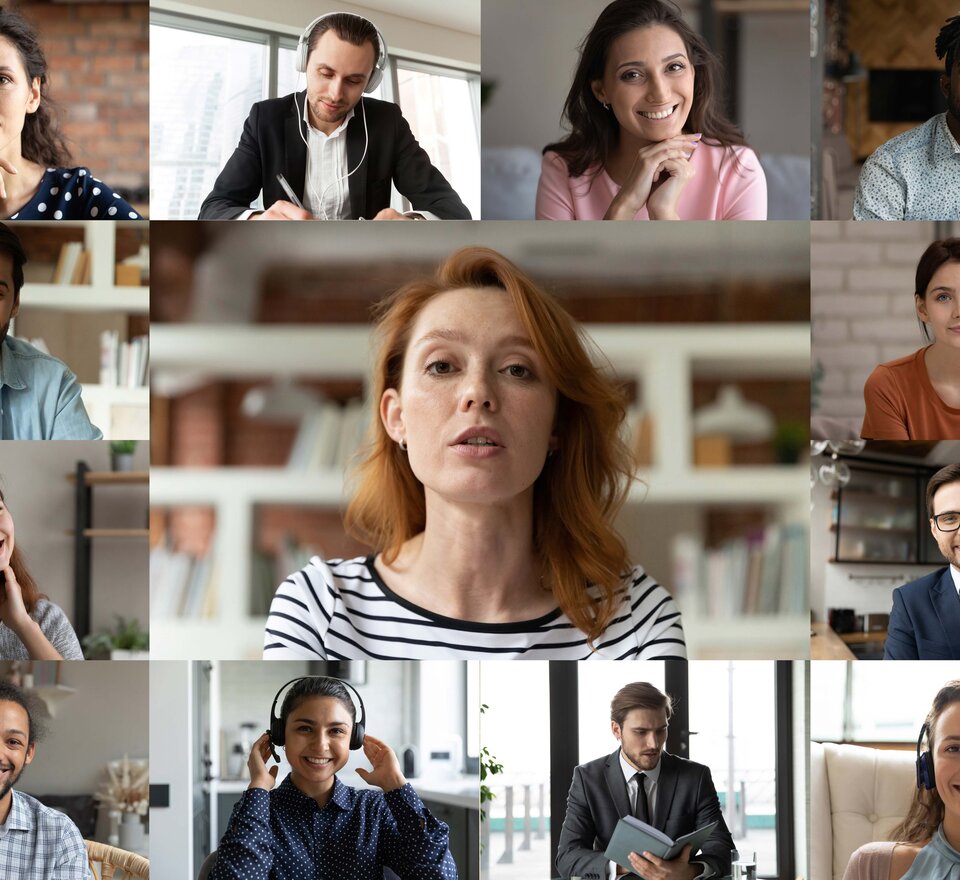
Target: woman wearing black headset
312,825
926,844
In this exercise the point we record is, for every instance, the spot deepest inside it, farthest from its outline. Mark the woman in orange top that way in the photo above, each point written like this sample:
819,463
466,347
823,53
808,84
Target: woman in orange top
917,397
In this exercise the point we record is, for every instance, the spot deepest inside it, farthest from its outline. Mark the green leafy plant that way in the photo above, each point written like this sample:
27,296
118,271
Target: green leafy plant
122,447
789,441
127,635
489,766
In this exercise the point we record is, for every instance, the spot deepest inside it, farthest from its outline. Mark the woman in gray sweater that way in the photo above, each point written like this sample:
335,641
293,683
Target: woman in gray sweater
31,626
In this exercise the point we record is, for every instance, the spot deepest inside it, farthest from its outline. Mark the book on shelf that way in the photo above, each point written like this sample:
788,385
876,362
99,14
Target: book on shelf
181,585
329,436
764,572
73,264
123,364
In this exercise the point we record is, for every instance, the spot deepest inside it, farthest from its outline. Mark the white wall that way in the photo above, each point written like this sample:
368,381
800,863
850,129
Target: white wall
104,720
33,476
403,35
774,82
171,763
862,304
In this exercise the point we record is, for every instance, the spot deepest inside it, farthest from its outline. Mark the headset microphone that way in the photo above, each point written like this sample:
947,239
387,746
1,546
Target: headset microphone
303,48
925,777
278,735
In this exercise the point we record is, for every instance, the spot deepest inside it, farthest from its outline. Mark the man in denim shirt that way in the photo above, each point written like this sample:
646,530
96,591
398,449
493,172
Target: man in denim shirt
39,396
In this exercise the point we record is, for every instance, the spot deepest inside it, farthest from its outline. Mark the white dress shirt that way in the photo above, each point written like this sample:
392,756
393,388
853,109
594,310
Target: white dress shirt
955,574
651,781
326,191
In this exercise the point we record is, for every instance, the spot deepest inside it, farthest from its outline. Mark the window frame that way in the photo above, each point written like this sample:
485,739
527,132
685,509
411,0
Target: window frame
274,40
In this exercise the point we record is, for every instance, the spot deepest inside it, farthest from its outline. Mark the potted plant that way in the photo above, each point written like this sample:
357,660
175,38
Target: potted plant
121,454
127,642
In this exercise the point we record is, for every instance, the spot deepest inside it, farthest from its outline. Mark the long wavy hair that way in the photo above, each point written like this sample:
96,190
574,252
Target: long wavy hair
41,140
28,586
581,487
594,131
926,810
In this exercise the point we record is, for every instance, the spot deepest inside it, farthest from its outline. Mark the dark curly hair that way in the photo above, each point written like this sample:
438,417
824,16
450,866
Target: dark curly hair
41,140
594,131
948,43
31,705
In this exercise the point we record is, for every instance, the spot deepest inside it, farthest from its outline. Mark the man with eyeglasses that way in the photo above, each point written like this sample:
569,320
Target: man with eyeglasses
925,621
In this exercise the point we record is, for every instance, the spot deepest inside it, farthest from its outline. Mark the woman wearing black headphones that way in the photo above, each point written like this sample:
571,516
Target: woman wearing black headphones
926,844
312,825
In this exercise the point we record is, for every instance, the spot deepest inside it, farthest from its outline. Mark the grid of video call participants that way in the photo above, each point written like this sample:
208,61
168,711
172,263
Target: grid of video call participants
439,541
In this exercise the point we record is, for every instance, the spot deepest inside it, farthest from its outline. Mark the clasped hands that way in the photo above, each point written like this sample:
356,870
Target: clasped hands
648,866
659,173
386,773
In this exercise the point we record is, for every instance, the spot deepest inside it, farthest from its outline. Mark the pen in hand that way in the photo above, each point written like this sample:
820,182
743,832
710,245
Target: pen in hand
290,193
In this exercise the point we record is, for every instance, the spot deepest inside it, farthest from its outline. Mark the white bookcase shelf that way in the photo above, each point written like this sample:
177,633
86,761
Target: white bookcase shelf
664,361
101,295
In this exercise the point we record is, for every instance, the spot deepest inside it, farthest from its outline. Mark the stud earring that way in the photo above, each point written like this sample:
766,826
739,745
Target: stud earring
403,444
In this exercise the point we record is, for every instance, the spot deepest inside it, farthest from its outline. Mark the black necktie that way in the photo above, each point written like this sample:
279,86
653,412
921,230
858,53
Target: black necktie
642,812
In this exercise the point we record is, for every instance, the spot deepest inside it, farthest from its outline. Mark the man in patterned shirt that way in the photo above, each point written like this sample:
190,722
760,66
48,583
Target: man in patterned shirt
36,842
916,175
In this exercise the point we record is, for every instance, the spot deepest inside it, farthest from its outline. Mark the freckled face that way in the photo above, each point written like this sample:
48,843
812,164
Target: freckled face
940,307
648,83
474,406
19,95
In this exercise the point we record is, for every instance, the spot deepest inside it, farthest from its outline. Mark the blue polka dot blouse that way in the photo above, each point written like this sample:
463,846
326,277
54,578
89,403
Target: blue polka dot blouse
74,194
283,835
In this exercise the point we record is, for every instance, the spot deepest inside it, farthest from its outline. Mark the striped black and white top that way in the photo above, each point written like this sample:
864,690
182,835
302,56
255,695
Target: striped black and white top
342,609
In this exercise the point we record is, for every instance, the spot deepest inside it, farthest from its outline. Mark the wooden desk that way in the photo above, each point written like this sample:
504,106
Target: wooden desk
825,644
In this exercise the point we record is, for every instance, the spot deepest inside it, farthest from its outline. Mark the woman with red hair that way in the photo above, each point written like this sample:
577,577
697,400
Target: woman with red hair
489,484
31,626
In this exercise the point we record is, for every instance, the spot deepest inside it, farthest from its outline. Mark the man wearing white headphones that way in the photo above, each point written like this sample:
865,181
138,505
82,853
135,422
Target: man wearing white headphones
317,154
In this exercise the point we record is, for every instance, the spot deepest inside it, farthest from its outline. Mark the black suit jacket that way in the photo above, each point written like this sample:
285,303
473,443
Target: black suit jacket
271,144
925,620
686,801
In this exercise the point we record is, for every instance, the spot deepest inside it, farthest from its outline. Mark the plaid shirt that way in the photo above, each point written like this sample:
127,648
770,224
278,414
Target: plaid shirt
39,843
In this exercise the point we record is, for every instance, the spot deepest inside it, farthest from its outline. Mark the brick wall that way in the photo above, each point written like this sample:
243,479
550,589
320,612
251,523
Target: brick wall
98,55
862,304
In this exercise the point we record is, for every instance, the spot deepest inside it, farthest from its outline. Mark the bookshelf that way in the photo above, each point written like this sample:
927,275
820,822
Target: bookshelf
85,481
120,412
662,360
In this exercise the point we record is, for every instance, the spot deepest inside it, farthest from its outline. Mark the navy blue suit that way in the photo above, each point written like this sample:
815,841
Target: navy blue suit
925,620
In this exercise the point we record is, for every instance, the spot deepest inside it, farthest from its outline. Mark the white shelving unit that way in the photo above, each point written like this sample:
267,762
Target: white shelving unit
664,361
101,295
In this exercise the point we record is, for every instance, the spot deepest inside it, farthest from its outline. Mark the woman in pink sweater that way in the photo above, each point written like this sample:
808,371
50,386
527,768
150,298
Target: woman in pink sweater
647,139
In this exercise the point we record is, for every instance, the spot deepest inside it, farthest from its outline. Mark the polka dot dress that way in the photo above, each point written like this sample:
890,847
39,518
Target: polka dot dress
75,194
284,835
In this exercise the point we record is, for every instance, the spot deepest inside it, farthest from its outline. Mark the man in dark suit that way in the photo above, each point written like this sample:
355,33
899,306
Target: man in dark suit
640,779
925,620
338,151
